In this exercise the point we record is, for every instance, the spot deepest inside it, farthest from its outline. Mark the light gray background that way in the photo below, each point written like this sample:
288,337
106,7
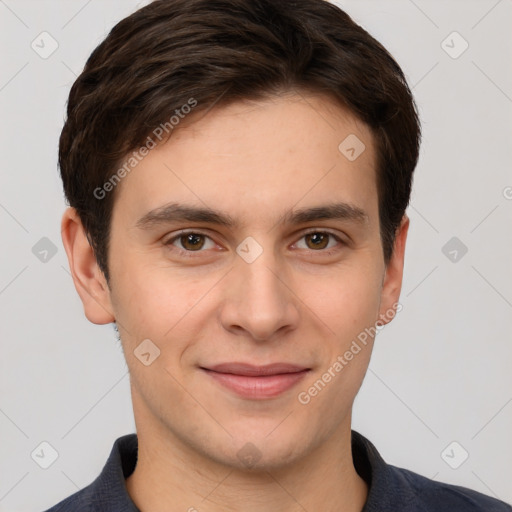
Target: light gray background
440,371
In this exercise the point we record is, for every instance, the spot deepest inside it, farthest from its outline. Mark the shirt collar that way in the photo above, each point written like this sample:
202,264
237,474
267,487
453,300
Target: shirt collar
387,487
109,489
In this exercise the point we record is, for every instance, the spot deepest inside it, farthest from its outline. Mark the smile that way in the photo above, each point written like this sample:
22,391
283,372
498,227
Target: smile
257,382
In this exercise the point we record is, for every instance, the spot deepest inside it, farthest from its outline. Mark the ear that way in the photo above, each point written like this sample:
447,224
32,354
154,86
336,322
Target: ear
90,283
392,282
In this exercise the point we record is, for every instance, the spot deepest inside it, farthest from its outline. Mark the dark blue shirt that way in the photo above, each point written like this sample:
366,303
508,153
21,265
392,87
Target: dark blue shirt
391,489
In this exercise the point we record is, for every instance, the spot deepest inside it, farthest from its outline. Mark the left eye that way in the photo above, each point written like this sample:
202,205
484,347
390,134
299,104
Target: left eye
319,240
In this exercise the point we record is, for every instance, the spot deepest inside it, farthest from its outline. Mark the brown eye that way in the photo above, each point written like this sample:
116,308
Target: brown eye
318,240
323,242
192,241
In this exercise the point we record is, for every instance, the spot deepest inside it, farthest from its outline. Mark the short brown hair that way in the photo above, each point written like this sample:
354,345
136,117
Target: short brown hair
219,51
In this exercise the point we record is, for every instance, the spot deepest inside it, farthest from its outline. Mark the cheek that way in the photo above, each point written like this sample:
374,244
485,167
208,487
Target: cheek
347,299
144,305
161,304
349,306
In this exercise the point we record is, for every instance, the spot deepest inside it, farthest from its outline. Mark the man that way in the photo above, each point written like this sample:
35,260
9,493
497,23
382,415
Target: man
238,174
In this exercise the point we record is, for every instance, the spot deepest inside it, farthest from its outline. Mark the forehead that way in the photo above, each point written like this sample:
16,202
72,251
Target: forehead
258,157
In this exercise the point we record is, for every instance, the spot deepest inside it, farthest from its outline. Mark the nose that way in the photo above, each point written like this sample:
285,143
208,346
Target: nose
259,299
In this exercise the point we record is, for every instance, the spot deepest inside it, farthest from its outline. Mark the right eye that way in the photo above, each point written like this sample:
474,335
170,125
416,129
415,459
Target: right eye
189,241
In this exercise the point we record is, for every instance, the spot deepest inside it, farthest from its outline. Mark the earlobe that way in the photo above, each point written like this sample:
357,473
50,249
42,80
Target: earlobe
89,280
392,283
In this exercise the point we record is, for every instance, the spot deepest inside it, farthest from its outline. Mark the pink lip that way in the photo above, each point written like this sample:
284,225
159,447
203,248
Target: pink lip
257,382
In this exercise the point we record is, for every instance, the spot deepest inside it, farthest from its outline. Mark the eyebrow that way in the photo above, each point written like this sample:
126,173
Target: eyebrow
174,212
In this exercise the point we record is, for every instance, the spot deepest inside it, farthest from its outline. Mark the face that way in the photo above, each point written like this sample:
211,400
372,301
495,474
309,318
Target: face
289,272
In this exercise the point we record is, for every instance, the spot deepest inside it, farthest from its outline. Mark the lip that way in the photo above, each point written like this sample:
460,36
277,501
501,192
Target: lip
257,382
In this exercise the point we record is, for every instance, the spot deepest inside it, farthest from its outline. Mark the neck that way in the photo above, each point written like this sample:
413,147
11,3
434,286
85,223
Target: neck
171,476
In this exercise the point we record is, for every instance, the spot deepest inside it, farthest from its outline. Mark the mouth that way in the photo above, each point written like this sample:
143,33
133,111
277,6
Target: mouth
256,382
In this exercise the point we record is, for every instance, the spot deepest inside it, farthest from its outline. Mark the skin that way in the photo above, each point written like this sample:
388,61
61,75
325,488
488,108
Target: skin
292,304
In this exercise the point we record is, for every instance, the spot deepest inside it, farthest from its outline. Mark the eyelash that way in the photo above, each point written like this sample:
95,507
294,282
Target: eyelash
190,254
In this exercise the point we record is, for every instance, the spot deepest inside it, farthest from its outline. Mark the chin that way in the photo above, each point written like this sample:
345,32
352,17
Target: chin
270,457
275,452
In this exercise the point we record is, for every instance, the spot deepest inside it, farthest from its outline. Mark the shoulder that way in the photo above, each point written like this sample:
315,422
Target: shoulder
78,502
430,495
395,489
107,493
97,496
